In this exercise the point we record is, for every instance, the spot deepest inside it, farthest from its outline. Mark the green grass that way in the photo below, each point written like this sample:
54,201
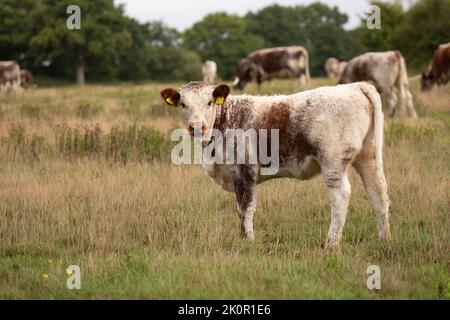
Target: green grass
145,229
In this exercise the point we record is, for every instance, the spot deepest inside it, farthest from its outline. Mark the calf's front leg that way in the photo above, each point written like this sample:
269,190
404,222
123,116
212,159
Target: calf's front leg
245,190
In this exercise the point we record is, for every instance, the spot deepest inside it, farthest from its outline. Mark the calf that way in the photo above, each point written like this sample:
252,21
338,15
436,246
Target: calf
325,130
387,71
209,71
264,64
438,71
9,75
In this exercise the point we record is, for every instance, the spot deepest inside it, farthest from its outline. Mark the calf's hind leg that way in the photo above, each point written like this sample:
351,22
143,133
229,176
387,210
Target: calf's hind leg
376,189
339,190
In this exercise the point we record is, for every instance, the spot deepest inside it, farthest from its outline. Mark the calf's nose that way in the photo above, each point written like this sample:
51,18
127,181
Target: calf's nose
197,126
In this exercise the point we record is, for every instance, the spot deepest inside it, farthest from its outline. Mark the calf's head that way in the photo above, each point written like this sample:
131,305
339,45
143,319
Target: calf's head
199,102
426,80
246,71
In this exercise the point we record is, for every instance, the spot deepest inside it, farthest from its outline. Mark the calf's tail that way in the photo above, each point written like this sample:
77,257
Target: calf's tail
378,120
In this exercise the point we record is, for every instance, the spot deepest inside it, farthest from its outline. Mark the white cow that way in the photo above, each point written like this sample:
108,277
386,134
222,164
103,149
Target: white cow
325,130
387,72
209,71
9,75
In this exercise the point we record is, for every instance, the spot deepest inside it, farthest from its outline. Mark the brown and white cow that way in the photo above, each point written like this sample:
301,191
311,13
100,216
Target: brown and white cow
325,130
438,71
9,75
26,78
387,71
265,64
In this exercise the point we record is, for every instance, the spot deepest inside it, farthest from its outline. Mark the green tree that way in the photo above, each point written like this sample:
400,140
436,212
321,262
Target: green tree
317,27
95,48
392,15
166,60
426,25
223,38
17,27
325,35
277,25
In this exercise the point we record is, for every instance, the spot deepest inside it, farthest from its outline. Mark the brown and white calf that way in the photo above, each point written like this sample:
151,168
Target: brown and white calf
387,72
268,63
9,75
325,130
438,70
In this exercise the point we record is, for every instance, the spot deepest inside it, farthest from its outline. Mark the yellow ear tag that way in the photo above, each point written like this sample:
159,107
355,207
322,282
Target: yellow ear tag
219,100
170,101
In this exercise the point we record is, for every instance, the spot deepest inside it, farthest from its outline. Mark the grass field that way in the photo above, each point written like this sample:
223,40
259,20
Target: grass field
86,179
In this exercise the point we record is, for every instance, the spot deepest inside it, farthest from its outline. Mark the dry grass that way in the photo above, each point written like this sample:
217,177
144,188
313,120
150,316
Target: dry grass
148,229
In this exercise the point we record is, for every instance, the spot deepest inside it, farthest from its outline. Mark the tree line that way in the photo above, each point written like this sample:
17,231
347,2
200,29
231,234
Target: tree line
112,46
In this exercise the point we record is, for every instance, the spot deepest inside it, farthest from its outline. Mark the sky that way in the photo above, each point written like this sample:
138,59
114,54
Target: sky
182,14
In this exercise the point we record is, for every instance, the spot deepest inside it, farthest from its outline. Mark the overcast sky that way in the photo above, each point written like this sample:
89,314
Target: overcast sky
181,14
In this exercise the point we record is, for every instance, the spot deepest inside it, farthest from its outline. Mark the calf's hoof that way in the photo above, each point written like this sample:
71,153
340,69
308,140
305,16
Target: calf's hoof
384,234
330,244
249,235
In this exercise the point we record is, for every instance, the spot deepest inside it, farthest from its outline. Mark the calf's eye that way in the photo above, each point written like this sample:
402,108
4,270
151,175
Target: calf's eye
210,103
183,105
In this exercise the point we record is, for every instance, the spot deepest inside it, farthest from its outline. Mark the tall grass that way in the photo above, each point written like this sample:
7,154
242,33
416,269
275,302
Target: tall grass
98,191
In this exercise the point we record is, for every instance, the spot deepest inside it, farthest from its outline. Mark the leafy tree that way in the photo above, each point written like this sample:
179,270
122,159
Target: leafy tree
392,15
426,25
277,25
96,47
16,28
325,35
317,27
223,38
166,60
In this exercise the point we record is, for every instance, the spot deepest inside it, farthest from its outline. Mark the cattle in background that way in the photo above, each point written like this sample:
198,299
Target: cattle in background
334,67
209,71
26,78
331,67
387,72
9,75
325,130
438,71
265,64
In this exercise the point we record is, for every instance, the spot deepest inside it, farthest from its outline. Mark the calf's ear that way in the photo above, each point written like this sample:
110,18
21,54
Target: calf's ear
220,93
171,96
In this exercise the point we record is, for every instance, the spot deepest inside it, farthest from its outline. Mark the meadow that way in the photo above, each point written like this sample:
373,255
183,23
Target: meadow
86,179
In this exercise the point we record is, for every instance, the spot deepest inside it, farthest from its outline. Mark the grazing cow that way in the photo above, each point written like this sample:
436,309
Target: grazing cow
325,130
438,70
26,78
387,71
9,75
264,64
